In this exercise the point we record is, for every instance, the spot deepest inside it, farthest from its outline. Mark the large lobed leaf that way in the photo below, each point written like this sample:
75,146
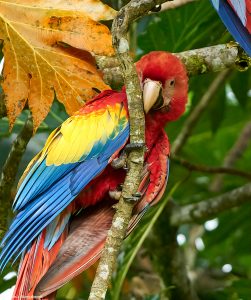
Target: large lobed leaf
39,37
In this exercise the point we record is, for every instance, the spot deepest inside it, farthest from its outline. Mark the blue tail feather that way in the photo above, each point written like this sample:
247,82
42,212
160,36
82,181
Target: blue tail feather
233,24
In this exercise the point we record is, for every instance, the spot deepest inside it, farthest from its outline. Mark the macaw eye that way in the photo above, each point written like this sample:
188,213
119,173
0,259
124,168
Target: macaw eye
172,82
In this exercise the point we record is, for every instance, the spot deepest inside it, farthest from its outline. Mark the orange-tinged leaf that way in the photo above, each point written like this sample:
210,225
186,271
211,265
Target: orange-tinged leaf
45,50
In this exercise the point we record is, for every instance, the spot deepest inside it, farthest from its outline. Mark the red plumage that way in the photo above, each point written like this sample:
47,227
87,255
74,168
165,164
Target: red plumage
44,270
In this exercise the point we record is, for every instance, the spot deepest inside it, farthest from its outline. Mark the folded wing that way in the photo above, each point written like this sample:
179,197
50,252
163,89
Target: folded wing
74,154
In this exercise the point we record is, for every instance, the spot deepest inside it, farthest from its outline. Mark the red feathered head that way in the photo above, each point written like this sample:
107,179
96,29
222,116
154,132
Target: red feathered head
164,83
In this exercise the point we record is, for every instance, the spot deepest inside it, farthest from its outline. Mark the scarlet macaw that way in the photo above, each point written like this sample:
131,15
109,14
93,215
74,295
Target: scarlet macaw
65,197
236,15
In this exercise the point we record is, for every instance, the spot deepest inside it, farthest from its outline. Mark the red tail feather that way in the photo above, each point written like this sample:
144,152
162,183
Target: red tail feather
34,265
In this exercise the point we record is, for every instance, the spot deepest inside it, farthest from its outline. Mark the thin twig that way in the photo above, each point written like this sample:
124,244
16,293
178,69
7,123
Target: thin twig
9,172
195,115
233,155
212,170
175,4
121,219
207,209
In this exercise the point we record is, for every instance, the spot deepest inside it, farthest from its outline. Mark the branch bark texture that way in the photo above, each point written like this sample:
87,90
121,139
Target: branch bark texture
207,209
215,58
116,234
198,61
9,172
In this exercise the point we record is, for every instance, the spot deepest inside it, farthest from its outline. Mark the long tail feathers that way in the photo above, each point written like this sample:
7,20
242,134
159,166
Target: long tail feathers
81,248
33,266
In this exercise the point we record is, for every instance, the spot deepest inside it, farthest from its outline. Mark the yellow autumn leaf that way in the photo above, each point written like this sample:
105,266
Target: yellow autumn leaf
46,50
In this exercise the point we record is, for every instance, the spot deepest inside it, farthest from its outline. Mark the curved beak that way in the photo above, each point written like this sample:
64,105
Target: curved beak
151,90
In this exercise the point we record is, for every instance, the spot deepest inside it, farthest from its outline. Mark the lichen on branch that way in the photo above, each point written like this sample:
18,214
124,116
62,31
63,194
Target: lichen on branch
208,209
198,61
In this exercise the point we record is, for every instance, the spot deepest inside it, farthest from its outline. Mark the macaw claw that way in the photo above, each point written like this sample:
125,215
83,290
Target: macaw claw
137,195
134,198
120,162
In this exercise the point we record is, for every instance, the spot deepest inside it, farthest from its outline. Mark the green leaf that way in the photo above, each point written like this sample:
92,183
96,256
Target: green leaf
6,284
217,109
240,84
190,26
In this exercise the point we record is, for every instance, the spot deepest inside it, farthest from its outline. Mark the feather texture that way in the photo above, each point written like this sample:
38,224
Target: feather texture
66,186
88,230
61,171
236,15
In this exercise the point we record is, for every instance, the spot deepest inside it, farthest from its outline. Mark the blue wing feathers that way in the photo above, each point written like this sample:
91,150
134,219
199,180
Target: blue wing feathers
19,242
42,178
52,235
42,201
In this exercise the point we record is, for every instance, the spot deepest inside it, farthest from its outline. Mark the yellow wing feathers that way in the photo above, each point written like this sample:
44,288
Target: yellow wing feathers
77,136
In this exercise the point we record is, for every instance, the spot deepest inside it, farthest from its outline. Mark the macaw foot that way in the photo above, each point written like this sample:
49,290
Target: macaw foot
115,194
120,162
134,198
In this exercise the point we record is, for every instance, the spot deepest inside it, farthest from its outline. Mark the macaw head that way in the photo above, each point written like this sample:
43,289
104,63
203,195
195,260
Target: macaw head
164,84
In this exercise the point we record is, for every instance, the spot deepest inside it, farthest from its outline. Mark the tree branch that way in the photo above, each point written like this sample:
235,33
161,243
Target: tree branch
233,155
207,209
215,58
198,61
3,111
121,219
9,172
207,169
195,115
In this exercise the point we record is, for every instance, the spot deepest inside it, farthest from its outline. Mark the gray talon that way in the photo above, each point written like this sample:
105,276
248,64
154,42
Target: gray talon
137,195
131,198
119,162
